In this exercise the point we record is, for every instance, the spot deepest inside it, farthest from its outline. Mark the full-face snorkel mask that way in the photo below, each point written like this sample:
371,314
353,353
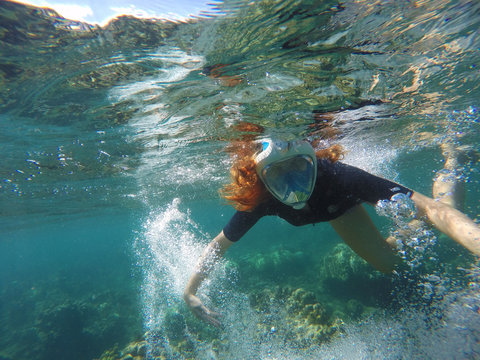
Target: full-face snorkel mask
288,170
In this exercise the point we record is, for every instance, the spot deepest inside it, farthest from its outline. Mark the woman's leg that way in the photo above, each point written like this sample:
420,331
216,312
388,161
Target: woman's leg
359,232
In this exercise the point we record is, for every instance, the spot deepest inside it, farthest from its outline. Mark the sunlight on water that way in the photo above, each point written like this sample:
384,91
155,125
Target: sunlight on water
165,136
135,115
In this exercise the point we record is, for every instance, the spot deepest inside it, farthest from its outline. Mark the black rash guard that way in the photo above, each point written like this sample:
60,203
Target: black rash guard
339,187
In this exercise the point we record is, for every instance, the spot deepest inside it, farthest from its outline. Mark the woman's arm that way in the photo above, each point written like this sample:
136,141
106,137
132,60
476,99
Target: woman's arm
450,221
211,255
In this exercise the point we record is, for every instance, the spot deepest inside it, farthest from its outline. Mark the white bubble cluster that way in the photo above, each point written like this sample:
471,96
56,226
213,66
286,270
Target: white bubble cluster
412,236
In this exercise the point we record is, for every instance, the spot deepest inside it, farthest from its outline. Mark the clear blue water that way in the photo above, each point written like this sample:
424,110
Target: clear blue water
112,143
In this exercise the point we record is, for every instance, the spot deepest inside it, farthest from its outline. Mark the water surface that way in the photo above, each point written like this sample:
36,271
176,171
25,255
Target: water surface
113,152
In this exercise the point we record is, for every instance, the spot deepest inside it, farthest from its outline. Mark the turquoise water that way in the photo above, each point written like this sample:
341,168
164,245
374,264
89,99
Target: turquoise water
112,143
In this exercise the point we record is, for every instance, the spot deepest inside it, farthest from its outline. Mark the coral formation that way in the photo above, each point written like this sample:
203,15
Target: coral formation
296,315
275,264
291,314
354,288
342,264
46,323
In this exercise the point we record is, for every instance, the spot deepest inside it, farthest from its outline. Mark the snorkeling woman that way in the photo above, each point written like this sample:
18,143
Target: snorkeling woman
292,181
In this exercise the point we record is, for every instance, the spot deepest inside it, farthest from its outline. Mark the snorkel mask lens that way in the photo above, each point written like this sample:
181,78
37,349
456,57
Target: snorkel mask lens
290,180
288,170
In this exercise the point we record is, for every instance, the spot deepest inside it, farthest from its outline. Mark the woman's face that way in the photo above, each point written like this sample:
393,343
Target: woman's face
291,180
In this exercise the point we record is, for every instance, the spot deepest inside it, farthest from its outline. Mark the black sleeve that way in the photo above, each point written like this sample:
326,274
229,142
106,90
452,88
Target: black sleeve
368,187
240,223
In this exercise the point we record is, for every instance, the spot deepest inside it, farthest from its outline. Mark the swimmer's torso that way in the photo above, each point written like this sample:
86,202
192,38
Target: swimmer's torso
338,188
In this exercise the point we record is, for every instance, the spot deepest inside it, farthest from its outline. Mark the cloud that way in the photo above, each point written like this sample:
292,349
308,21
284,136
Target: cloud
142,13
102,12
68,11
73,11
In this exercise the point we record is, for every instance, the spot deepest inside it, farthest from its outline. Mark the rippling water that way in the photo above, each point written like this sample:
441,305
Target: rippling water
112,153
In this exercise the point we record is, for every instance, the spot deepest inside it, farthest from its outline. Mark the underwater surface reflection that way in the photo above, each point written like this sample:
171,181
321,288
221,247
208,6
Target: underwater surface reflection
113,150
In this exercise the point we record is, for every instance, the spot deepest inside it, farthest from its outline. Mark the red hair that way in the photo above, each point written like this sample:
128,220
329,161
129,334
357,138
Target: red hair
246,191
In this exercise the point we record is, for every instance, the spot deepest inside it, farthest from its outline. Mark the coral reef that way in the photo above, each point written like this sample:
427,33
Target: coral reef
340,278
352,281
78,330
275,264
342,264
136,350
278,266
43,322
296,315
292,315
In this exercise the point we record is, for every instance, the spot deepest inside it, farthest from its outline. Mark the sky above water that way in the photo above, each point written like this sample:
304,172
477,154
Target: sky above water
100,12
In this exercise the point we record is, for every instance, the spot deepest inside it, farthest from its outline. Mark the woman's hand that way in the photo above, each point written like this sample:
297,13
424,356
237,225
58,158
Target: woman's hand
211,255
201,311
